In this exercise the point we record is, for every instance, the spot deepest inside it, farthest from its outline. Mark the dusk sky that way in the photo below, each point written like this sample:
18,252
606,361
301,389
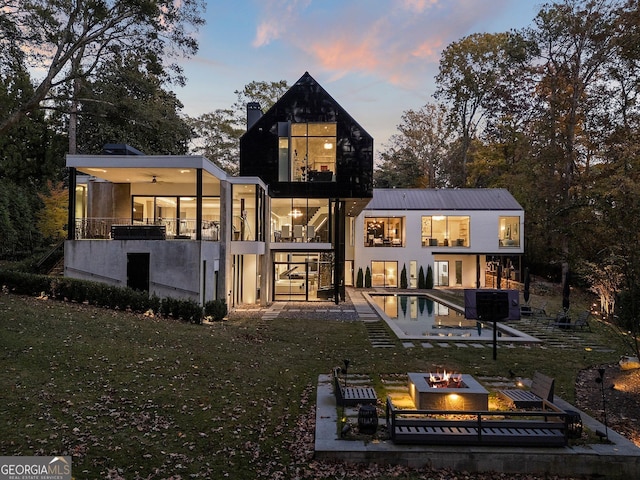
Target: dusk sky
377,58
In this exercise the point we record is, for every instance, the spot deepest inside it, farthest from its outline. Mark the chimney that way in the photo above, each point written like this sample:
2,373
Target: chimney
253,114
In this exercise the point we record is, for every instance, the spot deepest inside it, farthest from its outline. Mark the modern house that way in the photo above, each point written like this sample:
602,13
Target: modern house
318,163
464,235
179,226
297,224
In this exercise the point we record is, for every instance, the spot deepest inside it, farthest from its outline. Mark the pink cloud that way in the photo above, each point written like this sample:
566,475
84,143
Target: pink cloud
279,17
417,5
397,44
266,32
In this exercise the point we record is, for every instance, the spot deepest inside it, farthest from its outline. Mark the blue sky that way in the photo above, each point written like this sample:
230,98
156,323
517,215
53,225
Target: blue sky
377,58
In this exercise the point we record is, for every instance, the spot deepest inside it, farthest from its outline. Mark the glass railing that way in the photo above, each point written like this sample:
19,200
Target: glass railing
300,233
172,229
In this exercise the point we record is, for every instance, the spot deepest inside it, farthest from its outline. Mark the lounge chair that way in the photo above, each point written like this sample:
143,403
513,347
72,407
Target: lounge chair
539,311
582,321
565,322
562,320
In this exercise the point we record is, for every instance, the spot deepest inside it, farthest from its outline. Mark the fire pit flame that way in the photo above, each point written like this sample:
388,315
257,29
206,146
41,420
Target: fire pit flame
445,380
448,392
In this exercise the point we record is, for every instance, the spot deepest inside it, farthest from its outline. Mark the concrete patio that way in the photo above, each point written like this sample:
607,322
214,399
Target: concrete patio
617,459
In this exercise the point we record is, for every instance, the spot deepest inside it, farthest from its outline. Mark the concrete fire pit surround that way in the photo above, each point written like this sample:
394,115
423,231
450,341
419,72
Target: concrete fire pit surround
619,459
469,396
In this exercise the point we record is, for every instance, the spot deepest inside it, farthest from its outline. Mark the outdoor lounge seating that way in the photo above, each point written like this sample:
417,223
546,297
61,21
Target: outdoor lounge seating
531,311
546,428
538,313
541,391
563,321
352,396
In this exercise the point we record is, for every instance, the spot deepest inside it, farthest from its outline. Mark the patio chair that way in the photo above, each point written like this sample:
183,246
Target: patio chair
562,320
582,321
539,310
539,314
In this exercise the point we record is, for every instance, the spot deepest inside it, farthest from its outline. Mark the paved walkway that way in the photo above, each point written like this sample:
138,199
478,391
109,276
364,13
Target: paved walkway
357,308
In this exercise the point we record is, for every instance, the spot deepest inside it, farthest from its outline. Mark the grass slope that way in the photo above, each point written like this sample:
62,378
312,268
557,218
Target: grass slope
137,397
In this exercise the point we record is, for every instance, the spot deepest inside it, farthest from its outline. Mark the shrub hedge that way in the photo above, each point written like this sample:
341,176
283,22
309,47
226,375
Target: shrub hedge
100,294
216,309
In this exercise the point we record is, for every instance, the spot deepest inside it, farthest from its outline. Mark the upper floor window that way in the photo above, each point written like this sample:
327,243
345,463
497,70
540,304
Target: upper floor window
509,231
445,230
384,231
248,212
307,152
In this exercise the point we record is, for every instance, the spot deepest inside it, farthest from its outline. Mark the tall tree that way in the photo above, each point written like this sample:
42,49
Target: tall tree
577,42
470,82
18,232
217,134
262,92
126,103
31,151
70,39
416,155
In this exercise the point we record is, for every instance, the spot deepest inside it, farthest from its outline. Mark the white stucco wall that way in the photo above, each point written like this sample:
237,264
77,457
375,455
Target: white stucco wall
483,241
174,266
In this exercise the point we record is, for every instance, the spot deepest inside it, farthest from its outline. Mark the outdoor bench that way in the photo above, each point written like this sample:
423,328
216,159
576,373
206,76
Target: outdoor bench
491,428
541,389
352,396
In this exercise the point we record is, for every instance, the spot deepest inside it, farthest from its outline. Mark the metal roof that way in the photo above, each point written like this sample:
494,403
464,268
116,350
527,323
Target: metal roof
442,199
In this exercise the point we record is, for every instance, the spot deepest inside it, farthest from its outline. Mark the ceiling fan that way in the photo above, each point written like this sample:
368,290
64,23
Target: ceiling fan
154,179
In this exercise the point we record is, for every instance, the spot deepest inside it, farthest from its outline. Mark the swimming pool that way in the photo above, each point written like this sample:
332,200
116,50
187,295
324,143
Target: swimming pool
421,317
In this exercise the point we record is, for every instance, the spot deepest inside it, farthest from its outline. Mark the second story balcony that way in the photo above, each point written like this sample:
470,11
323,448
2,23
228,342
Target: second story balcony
114,228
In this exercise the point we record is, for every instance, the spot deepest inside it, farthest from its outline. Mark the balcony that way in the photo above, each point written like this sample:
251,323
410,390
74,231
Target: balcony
126,229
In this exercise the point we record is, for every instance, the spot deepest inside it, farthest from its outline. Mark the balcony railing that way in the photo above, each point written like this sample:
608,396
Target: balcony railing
182,229
444,242
300,233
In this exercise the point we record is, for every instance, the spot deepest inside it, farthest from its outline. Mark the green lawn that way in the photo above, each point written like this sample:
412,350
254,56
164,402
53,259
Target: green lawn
136,397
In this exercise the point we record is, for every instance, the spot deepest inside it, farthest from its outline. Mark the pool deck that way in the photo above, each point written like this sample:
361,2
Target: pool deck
619,459
512,335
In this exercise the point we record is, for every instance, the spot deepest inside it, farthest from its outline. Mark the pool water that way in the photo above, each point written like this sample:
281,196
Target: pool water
420,317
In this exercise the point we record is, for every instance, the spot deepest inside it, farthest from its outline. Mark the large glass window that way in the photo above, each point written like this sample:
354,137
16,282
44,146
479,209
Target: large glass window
300,220
509,231
441,273
384,274
178,215
302,276
246,212
307,153
445,230
384,231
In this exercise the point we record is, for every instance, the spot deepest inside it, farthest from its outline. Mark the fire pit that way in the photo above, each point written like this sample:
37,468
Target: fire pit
442,391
